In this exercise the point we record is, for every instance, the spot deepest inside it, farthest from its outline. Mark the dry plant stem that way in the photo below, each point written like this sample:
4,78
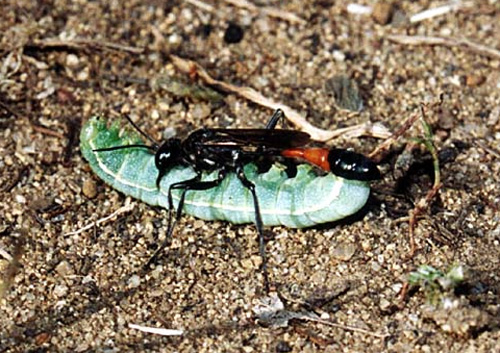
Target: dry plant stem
124,209
307,317
438,11
267,11
377,153
313,337
421,206
402,294
487,149
72,131
157,330
343,327
47,131
21,173
85,43
9,109
192,68
5,254
201,5
423,203
463,43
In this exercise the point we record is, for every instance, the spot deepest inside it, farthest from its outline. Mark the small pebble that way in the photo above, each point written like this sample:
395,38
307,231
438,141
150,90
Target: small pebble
382,12
384,304
61,290
155,115
344,251
134,281
283,347
201,111
64,269
175,39
89,188
42,338
20,199
247,264
83,75
234,34
72,60
474,80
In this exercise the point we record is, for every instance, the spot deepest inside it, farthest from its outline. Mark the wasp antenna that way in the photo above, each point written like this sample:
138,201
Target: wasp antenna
114,148
155,144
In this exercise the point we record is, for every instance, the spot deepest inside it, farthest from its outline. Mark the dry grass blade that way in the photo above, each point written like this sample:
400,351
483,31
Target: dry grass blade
463,43
85,43
201,5
367,129
157,330
124,209
378,152
452,6
344,327
268,11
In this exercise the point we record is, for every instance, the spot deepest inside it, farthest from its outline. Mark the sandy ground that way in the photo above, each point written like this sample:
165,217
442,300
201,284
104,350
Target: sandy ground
64,61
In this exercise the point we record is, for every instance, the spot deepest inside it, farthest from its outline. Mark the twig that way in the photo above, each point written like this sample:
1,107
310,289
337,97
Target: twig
267,11
83,43
9,109
402,294
446,42
423,203
343,327
359,10
264,10
5,254
376,154
201,5
47,131
21,173
273,307
125,208
190,67
437,11
487,149
157,330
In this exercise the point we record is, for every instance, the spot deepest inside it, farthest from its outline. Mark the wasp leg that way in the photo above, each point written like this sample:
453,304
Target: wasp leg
186,185
258,223
277,116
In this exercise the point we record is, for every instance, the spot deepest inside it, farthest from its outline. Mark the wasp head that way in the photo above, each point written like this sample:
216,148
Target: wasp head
167,155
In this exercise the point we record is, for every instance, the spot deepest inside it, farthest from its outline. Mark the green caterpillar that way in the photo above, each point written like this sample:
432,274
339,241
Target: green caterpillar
305,200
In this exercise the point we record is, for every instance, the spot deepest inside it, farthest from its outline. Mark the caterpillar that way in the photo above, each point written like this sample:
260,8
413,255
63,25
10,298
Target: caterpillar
304,200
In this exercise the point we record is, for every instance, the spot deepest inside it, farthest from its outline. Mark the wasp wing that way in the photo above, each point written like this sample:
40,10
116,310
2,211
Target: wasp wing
267,138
